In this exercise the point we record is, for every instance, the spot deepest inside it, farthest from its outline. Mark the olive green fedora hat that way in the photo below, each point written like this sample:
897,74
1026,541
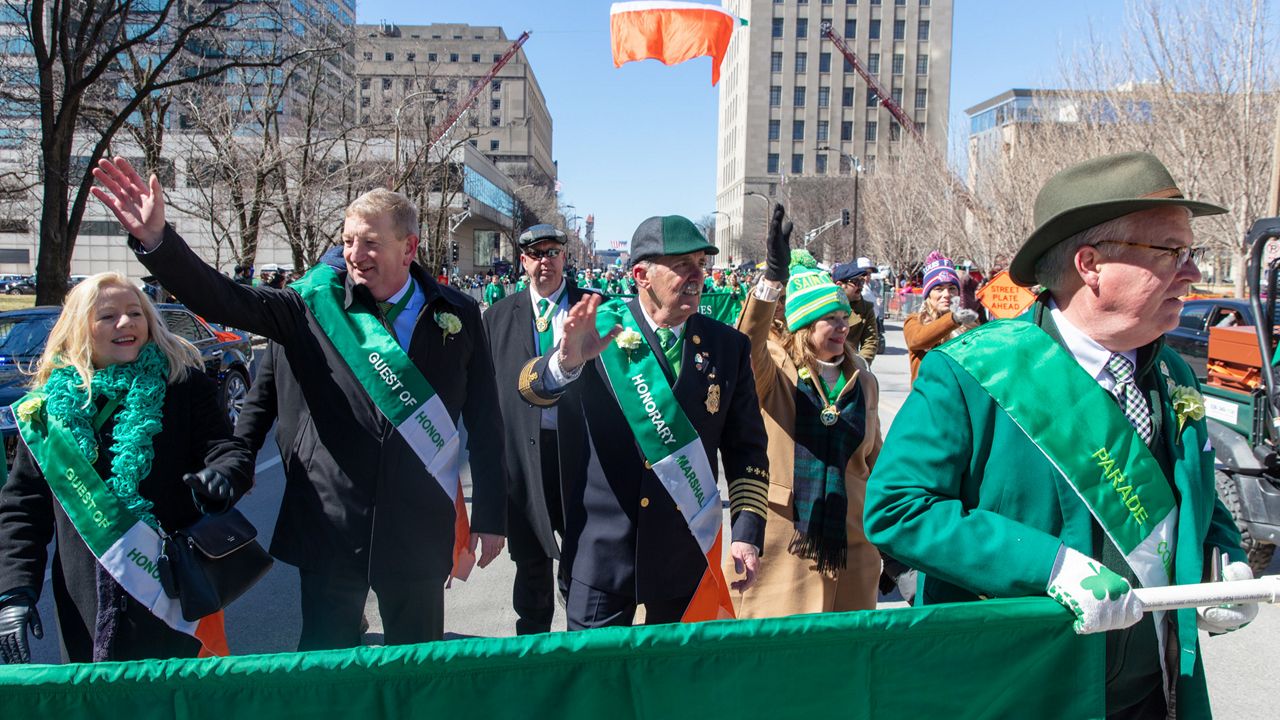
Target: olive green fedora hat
1092,193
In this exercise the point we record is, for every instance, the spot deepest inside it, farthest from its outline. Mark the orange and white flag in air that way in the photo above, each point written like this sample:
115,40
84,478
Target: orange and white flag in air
671,32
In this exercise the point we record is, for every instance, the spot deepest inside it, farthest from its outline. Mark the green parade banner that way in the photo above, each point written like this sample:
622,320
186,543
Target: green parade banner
998,658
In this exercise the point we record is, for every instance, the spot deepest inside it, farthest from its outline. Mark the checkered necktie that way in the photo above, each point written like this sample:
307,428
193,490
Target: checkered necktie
1132,403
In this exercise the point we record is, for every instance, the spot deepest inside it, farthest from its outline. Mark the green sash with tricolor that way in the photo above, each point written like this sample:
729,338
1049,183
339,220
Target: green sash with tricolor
397,388
671,445
1085,436
126,547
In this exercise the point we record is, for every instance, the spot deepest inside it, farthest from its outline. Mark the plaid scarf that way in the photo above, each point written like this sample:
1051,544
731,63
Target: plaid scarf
821,456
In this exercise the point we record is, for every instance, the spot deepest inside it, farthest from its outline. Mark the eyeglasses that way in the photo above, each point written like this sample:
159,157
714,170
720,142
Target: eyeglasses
1180,254
539,254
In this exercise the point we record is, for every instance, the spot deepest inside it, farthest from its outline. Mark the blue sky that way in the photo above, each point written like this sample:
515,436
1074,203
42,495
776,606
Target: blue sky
640,140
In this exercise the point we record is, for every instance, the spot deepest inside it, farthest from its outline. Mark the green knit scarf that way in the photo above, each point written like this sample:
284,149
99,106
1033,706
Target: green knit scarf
140,387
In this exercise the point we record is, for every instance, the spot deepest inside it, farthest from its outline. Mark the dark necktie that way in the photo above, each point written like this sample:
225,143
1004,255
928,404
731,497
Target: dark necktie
1132,403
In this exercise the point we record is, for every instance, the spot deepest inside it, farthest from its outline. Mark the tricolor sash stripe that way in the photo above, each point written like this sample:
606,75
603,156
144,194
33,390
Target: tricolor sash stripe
669,442
397,388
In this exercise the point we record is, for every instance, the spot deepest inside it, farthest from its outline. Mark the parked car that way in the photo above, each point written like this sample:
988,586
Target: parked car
227,354
18,284
1191,338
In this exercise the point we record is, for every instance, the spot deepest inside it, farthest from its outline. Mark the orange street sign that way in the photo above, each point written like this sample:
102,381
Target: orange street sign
1004,298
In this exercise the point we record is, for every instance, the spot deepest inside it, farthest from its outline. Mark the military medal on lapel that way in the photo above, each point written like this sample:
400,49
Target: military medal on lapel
829,415
713,399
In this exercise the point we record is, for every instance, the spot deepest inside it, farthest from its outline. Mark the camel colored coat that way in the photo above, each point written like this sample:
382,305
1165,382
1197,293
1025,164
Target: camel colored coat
787,584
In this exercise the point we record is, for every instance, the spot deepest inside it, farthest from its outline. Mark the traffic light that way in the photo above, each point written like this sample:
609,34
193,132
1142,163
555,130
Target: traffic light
844,217
453,250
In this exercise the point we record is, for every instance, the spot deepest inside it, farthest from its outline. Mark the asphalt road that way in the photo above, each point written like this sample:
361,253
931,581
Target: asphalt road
1239,665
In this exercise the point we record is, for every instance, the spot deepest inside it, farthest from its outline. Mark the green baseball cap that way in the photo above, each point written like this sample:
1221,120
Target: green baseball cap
1092,193
668,235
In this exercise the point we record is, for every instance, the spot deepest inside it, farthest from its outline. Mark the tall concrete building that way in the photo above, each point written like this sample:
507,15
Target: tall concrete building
393,62
786,91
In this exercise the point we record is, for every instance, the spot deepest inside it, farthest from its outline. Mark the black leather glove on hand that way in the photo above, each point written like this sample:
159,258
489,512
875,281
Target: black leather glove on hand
778,246
15,619
210,486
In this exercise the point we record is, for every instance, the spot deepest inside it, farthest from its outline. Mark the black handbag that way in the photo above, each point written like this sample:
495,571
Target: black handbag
211,563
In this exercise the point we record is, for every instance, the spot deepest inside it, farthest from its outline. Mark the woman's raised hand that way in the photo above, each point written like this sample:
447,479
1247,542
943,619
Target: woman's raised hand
137,204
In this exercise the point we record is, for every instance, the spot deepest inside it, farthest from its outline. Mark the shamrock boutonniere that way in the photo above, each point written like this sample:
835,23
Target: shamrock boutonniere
629,340
30,409
1188,403
449,324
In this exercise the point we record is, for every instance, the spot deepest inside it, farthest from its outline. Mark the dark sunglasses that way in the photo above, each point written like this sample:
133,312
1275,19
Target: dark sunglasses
539,254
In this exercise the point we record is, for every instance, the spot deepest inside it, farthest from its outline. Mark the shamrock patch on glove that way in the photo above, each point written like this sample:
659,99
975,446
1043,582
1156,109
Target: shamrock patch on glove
1100,599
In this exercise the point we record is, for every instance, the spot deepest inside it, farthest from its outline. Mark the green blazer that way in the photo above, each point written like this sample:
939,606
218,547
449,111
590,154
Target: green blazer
961,494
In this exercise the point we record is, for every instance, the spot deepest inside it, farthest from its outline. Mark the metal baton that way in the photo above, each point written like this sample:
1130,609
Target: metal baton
1265,589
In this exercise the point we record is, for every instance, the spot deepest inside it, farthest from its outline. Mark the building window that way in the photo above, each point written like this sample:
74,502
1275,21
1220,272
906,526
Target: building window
496,104
802,28
475,57
899,29
824,97
389,57
922,31
364,83
820,164
799,97
924,3
775,129
802,62
900,2
495,121
497,57
872,98
775,62
922,64
802,2
895,131
453,57
496,86
824,131
898,61
846,97
875,2
871,131
797,129
826,2
431,57
824,62
411,57
874,31
775,95
846,131
364,102
777,27
897,96
850,28
386,83
771,165
922,98
844,164
797,164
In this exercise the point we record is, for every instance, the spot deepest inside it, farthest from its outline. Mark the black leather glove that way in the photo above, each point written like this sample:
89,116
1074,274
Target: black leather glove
778,246
15,619
209,485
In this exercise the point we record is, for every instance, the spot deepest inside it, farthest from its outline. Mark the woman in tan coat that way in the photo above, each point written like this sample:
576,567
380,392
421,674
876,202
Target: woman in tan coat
819,403
941,316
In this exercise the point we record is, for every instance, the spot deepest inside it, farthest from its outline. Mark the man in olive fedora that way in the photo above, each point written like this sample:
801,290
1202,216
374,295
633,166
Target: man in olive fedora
1045,454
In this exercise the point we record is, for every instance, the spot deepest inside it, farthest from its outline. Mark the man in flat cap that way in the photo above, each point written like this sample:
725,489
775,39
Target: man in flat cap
1064,452
864,334
662,390
523,326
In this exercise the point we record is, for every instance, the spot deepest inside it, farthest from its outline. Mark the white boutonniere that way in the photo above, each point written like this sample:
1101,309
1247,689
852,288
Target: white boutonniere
803,373
629,340
1188,403
449,324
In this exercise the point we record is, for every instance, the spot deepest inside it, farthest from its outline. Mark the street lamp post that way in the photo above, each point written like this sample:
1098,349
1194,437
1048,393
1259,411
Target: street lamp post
855,165
403,104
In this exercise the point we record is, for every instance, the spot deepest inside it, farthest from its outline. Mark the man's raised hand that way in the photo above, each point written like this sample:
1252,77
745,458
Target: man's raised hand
136,203
582,342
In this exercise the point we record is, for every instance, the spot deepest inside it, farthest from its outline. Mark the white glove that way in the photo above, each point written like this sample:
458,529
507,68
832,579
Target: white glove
1101,599
1225,618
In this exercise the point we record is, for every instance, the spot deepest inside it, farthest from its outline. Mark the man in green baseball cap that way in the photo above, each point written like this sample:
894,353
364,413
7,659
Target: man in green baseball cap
1065,452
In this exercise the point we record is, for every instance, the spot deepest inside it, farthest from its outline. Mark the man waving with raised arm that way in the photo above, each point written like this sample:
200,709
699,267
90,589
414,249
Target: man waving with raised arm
377,365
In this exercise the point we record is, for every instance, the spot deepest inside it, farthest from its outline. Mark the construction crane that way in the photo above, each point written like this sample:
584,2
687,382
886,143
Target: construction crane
886,99
479,86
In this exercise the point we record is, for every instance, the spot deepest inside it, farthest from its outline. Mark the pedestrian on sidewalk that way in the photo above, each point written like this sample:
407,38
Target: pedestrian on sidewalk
820,406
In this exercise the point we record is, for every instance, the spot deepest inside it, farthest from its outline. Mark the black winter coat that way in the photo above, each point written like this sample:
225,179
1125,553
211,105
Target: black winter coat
195,434
356,495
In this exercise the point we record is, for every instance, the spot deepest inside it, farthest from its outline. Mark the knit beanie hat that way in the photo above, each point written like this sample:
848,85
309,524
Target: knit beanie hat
810,292
939,270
